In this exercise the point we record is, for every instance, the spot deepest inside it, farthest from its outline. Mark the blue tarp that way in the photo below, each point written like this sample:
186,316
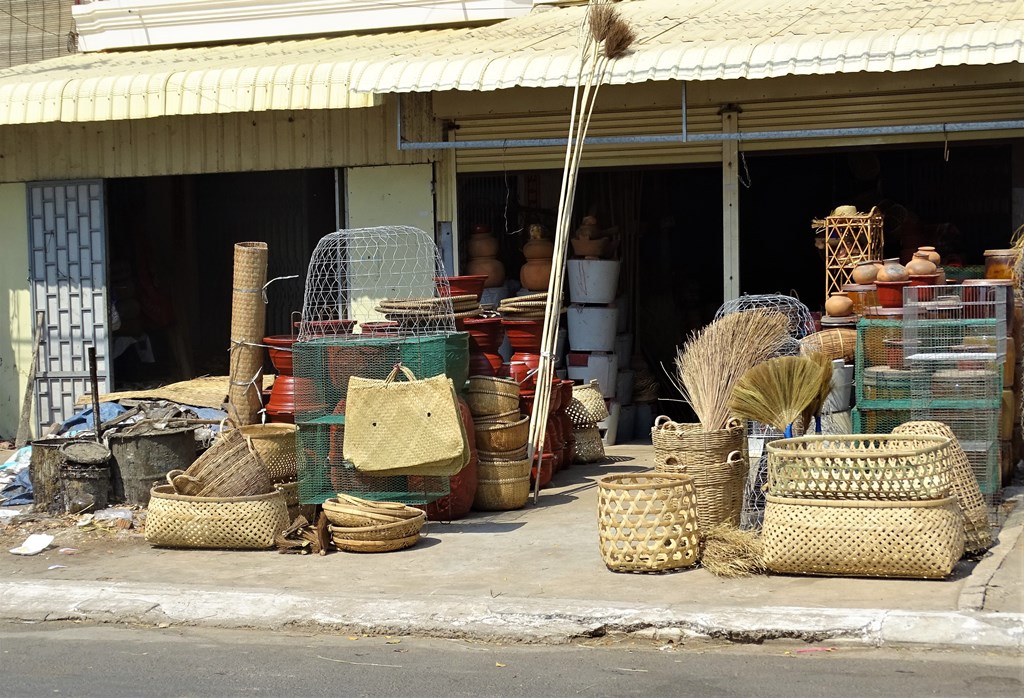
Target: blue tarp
82,421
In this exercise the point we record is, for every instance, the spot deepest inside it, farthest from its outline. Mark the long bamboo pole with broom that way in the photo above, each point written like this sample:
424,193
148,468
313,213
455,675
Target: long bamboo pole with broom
604,36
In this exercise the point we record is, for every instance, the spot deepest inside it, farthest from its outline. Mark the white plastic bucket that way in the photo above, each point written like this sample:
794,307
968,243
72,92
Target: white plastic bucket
838,399
603,368
592,327
610,424
593,280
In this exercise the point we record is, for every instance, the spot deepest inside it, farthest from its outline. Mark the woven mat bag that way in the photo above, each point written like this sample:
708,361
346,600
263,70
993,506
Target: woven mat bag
688,444
719,488
978,533
410,427
917,539
247,523
647,522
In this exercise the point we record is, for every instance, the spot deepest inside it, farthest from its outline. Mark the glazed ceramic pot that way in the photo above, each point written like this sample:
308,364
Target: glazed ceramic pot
865,272
839,305
281,406
892,271
933,255
920,265
280,352
525,336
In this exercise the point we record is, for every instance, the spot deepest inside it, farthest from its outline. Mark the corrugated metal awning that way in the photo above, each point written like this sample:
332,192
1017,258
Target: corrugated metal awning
676,40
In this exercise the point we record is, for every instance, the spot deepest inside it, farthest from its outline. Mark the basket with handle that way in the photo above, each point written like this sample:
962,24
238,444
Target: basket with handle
231,467
680,445
647,522
862,466
918,539
719,489
181,521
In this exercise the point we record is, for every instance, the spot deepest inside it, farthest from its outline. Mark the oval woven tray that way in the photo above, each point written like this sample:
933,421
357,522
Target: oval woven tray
375,546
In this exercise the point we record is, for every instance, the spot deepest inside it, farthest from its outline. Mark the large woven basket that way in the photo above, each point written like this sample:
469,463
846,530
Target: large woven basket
864,466
502,437
680,445
487,396
719,489
920,539
231,467
978,532
353,512
647,522
380,531
502,485
275,444
180,521
836,343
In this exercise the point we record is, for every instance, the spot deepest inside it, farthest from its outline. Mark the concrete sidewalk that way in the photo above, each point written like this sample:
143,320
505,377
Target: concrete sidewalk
533,575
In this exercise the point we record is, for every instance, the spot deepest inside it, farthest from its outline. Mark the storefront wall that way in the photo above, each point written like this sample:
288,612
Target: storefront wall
15,306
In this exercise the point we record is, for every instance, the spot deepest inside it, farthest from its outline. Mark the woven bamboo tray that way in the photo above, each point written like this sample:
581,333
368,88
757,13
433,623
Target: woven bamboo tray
680,445
180,521
647,522
917,539
865,466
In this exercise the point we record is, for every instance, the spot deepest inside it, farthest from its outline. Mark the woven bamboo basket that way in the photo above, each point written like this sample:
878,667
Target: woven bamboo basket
647,522
345,512
180,521
502,437
977,531
918,539
375,546
681,445
588,448
510,417
591,400
502,485
514,454
381,531
231,467
836,343
719,489
290,490
862,466
486,395
275,444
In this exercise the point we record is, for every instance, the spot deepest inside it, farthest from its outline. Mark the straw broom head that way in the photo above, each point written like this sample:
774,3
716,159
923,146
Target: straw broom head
729,552
777,391
607,26
714,359
824,388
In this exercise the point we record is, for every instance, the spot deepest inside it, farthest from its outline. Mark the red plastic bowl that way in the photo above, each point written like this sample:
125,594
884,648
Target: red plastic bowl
461,285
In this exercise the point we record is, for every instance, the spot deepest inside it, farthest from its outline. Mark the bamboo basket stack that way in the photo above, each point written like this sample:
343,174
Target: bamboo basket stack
503,468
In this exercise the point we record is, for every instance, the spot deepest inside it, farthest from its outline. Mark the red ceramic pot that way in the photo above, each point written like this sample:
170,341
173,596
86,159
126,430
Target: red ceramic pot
925,294
336,440
545,470
384,328
526,401
485,365
281,407
461,486
554,442
570,438
280,352
525,336
354,359
485,333
461,285
523,370
308,399
890,293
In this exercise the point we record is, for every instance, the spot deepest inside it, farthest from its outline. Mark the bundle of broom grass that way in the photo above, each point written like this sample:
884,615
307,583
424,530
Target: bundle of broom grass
714,359
780,391
726,551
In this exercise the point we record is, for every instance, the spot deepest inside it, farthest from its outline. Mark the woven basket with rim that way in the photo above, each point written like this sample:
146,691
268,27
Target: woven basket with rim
509,417
502,485
919,539
353,512
835,344
374,546
380,531
719,489
290,490
514,454
502,437
978,532
862,466
680,445
579,415
231,467
275,444
589,448
592,401
180,521
486,395
647,522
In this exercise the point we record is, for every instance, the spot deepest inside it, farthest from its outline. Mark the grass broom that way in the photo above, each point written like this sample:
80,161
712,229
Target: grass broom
824,388
777,391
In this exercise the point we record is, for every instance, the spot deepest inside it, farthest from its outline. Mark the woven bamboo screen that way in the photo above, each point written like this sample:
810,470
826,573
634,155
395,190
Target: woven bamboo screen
35,30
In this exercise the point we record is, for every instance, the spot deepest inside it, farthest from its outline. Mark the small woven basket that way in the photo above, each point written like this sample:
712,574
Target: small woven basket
589,448
355,513
836,343
864,466
381,531
918,539
647,522
502,485
275,444
978,532
180,521
486,395
591,400
374,546
502,437
682,445
719,488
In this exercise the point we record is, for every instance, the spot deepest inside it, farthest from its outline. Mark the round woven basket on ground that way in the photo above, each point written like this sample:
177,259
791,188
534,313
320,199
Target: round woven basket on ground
918,539
354,513
978,532
588,448
502,485
275,444
486,395
719,488
862,466
375,546
679,445
181,521
647,522
380,531
502,437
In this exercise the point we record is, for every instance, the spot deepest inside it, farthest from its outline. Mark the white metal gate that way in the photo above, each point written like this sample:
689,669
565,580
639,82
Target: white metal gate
67,248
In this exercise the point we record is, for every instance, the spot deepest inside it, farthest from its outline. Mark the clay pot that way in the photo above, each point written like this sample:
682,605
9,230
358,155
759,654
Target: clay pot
920,265
524,336
461,285
483,249
589,249
536,274
482,244
892,271
890,293
280,352
281,406
538,248
925,294
461,486
839,305
933,256
865,272
546,469
999,263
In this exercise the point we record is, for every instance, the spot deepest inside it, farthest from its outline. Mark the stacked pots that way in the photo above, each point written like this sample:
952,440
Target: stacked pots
592,322
281,406
501,431
483,251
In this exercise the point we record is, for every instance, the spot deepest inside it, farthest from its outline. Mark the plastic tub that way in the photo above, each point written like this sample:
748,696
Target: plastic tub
593,280
592,327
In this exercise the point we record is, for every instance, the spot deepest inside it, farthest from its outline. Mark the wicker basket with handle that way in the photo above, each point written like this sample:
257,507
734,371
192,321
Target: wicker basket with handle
919,539
180,521
719,489
679,445
231,467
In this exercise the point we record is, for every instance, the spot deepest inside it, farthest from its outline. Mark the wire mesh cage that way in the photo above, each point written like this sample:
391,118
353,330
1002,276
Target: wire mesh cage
758,436
801,323
374,298
849,240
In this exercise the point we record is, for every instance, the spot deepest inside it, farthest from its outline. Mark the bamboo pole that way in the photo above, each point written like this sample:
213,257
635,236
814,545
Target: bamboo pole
248,321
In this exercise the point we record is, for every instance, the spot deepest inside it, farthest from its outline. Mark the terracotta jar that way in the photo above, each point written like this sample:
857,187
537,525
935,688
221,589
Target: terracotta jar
536,273
892,270
865,272
920,265
933,255
839,304
483,252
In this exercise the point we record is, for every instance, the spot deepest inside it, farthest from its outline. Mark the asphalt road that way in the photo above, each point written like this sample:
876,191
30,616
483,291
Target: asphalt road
49,659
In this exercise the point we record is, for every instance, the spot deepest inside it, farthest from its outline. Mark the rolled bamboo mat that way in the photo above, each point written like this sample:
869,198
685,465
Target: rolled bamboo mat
248,321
